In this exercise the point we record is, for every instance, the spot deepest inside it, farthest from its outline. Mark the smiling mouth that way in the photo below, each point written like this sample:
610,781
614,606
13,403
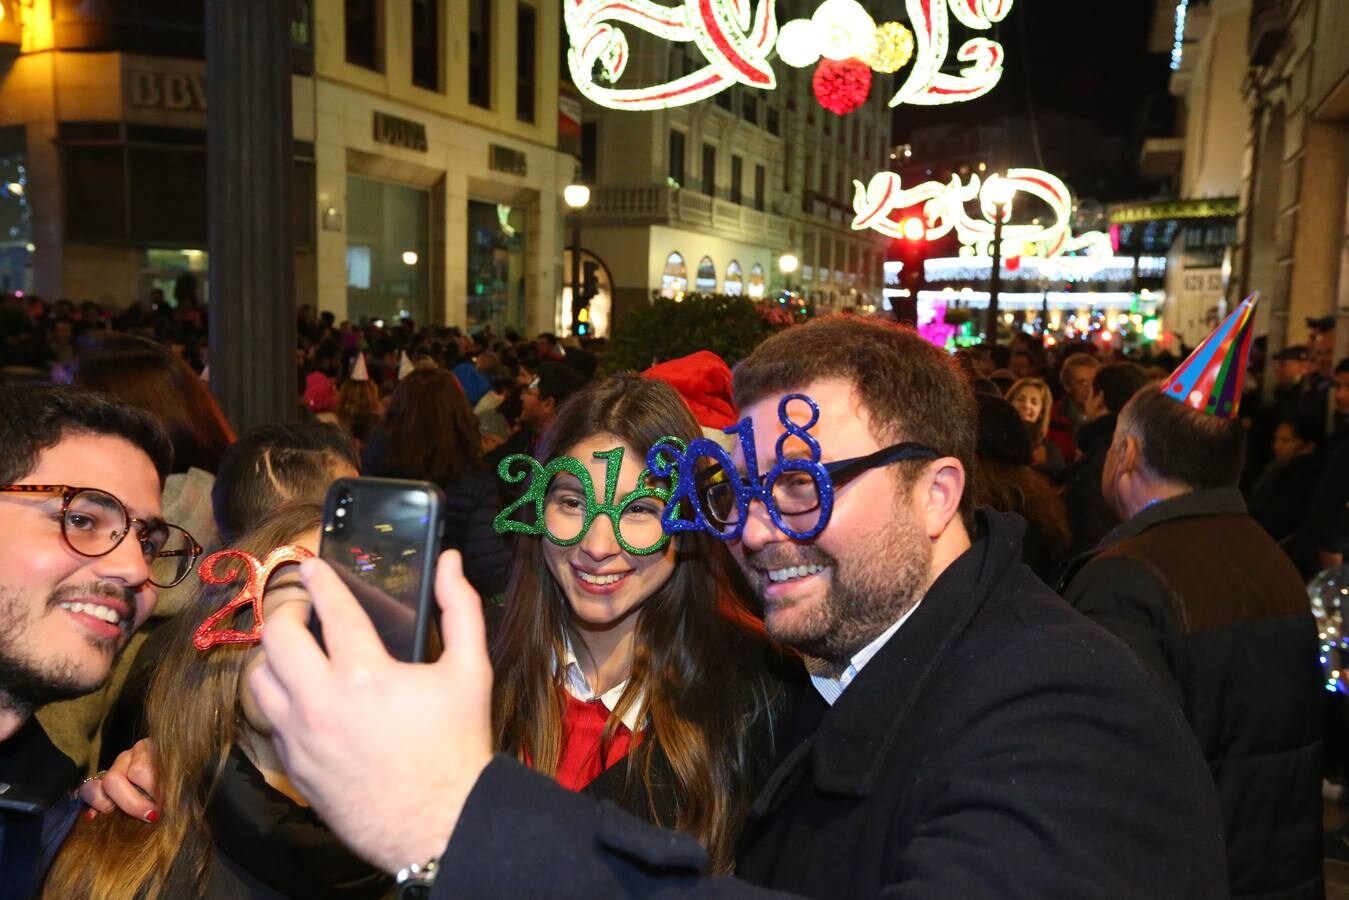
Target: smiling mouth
600,580
98,611
793,573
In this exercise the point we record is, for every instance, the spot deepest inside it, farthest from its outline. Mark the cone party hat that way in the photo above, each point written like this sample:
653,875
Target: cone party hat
359,372
1211,379
405,366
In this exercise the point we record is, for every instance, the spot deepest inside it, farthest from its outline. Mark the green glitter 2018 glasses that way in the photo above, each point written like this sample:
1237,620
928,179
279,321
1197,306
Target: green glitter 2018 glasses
562,495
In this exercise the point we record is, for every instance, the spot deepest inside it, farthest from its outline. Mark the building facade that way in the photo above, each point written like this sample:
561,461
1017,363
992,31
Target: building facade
1293,233
427,172
709,197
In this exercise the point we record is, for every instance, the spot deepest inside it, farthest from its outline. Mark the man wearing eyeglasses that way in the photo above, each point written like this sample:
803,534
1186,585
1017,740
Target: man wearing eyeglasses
83,548
970,735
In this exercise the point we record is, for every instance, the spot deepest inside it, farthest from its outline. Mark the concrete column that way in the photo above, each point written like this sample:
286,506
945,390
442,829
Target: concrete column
1318,243
249,162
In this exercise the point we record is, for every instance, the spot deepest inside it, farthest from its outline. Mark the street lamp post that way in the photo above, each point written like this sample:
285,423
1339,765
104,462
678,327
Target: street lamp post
1000,192
787,264
576,197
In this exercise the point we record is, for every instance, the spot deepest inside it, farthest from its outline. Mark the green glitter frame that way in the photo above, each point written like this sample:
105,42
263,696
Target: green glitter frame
541,478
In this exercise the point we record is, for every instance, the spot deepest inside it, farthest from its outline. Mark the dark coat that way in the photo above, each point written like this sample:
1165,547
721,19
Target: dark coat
1090,518
472,501
1207,599
266,847
998,745
37,810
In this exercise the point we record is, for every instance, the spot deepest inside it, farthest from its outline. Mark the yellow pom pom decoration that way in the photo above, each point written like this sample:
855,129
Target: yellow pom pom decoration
893,48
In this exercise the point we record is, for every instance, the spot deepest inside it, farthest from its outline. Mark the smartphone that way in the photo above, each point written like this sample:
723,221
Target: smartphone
382,537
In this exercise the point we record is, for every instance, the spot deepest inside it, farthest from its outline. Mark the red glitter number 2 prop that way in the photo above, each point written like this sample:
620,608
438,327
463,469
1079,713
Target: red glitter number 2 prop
207,635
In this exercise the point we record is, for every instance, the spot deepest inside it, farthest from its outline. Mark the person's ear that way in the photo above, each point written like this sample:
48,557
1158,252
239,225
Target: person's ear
1130,456
937,493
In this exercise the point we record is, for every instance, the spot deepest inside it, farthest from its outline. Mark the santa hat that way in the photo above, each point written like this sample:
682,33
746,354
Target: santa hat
358,370
703,380
319,393
1211,379
405,366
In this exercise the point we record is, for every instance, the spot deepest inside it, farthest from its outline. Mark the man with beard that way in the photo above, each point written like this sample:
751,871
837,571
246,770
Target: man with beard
78,472
970,735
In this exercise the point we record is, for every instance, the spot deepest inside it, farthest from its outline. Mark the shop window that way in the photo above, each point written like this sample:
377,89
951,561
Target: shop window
480,53
526,31
675,279
388,251
706,279
362,33
496,266
709,170
756,281
16,214
735,285
426,44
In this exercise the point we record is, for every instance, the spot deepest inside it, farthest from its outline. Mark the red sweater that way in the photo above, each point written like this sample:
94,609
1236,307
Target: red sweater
581,760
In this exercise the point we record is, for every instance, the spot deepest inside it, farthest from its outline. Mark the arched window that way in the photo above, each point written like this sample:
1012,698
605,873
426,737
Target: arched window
735,286
756,283
707,275
675,280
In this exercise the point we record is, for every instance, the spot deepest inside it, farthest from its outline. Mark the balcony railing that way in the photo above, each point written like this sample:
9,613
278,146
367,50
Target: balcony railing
660,205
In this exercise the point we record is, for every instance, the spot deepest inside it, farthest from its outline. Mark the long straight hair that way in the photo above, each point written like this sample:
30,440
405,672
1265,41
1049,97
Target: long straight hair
700,660
194,716
430,431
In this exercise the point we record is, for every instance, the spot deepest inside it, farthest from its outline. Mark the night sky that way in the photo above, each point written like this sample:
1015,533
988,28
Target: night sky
1088,65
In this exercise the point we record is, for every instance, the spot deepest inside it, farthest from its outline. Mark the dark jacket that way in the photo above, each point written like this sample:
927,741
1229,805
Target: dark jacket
37,810
998,745
471,503
266,847
1090,518
1205,597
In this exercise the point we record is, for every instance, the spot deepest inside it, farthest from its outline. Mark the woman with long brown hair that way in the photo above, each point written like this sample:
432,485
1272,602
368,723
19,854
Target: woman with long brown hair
1034,403
429,433
232,825
627,663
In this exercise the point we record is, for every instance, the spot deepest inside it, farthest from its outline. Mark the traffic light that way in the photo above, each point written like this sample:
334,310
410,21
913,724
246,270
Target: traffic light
590,282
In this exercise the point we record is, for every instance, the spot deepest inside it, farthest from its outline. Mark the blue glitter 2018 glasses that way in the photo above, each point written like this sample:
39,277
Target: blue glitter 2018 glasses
795,488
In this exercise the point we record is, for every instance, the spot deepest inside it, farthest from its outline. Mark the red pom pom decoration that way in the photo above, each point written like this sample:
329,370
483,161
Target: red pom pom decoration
841,86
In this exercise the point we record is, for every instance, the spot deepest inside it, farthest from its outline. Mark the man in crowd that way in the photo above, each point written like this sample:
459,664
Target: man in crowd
1089,516
1215,608
553,383
966,734
76,475
1295,389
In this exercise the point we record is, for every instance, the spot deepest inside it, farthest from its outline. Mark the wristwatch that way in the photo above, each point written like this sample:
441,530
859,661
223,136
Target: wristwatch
416,881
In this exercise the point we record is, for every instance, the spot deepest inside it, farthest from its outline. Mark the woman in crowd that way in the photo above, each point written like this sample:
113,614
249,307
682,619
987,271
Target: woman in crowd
1005,480
1034,402
639,677
233,825
429,433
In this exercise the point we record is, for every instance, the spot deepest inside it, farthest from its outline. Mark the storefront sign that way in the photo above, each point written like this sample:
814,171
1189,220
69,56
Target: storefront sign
400,132
172,91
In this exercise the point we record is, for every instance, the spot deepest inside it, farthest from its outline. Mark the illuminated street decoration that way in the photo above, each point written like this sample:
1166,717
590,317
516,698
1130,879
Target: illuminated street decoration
944,209
735,46
737,37
841,86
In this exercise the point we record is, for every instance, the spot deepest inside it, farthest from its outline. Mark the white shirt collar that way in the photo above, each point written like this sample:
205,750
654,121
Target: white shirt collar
830,682
574,680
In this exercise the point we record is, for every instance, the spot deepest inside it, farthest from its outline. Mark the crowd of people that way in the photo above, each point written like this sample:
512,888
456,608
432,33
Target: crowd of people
827,647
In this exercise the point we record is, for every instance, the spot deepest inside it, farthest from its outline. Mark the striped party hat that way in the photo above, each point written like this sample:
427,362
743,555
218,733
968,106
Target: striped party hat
1210,380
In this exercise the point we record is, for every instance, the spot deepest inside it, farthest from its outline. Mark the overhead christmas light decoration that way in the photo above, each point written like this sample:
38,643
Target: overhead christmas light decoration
943,209
735,46
841,86
892,50
736,38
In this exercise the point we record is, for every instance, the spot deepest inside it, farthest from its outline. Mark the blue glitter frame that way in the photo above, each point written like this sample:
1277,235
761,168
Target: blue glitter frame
752,486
